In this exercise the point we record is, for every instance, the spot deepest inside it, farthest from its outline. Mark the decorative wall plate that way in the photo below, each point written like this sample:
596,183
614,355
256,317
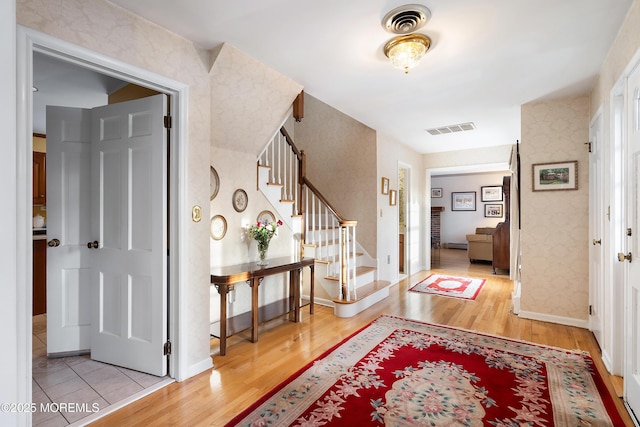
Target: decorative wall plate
218,227
240,200
215,183
266,217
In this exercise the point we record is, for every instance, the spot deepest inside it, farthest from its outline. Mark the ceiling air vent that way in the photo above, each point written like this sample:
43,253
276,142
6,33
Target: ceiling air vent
452,128
406,19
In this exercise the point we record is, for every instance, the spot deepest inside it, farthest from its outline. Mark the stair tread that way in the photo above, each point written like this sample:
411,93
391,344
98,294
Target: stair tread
359,272
365,291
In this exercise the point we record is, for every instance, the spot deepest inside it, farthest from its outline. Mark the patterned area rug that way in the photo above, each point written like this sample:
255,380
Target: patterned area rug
450,286
401,372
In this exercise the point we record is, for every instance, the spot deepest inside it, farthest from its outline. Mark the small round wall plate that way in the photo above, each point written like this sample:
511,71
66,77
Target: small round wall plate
214,179
218,227
240,200
266,217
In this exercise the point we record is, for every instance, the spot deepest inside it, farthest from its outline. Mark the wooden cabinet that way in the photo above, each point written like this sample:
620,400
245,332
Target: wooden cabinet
502,235
39,276
39,178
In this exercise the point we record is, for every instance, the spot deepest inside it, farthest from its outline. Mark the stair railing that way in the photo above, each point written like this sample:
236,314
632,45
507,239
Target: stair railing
322,224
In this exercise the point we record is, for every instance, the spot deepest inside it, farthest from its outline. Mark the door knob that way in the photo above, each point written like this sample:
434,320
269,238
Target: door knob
53,243
93,245
597,242
622,257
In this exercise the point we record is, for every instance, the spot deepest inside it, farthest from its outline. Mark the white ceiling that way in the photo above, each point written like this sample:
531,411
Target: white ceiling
488,57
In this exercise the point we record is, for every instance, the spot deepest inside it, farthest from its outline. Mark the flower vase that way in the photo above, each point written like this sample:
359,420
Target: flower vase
263,247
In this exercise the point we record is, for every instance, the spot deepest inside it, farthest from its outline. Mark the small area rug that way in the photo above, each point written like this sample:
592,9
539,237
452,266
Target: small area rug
450,286
401,372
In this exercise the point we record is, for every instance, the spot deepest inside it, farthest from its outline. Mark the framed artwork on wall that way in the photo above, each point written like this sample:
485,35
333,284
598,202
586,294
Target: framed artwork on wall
240,200
392,197
385,185
555,176
493,211
436,193
463,201
491,193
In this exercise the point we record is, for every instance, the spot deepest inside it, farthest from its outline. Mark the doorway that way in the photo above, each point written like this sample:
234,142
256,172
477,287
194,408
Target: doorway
403,221
31,42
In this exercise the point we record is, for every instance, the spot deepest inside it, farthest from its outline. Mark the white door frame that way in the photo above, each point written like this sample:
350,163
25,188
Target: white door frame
407,217
28,41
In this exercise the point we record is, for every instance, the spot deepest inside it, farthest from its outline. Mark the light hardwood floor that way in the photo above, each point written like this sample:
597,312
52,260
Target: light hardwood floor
249,370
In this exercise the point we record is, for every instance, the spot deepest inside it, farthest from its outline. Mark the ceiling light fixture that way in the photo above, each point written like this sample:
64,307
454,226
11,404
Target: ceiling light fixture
406,50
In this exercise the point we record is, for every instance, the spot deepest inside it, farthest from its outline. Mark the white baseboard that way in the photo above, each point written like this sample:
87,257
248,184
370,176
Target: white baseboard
200,367
569,321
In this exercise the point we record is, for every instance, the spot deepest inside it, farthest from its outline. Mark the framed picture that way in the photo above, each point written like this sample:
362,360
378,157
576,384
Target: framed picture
214,183
385,185
555,176
266,217
491,193
392,197
493,211
436,193
218,227
463,201
240,200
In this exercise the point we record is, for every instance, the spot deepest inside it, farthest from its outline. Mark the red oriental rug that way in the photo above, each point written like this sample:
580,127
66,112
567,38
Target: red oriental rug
450,286
402,372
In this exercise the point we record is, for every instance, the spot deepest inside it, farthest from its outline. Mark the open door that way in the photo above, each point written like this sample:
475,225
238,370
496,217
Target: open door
68,230
123,248
129,264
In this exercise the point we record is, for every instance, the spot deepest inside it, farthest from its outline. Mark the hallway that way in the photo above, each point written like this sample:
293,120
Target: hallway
249,370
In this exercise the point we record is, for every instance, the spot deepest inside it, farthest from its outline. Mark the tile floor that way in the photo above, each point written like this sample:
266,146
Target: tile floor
88,385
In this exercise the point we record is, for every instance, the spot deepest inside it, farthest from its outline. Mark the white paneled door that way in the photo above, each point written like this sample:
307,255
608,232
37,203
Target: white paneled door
632,249
68,230
124,257
599,297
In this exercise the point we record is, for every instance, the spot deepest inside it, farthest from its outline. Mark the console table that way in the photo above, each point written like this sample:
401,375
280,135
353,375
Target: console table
225,278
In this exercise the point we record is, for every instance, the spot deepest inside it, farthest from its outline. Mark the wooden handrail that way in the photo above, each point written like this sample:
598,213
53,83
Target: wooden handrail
304,181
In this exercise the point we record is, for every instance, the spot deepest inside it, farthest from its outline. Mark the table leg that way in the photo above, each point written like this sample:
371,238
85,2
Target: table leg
311,288
294,295
255,283
223,290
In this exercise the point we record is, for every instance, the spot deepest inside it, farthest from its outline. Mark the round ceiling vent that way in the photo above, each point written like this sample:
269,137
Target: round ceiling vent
406,19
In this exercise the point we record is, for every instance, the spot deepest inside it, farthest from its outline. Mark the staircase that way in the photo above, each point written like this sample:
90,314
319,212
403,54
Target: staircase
343,269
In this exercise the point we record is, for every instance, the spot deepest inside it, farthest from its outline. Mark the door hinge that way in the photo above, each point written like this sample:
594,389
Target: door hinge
629,232
589,145
590,310
167,348
167,122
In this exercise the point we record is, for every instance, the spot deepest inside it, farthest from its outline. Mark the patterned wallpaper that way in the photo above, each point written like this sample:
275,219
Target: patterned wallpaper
555,224
249,101
342,155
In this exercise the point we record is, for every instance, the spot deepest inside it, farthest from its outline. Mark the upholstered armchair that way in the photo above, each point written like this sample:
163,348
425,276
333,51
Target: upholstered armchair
480,244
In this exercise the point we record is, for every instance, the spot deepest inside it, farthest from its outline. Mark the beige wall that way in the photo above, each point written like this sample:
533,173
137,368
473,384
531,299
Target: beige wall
555,224
249,101
622,51
342,155
391,156
99,26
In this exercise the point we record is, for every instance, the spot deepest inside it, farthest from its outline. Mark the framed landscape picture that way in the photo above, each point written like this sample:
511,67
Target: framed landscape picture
491,193
555,176
436,193
463,201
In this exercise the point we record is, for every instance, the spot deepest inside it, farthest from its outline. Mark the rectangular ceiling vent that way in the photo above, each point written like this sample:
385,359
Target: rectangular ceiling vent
452,128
